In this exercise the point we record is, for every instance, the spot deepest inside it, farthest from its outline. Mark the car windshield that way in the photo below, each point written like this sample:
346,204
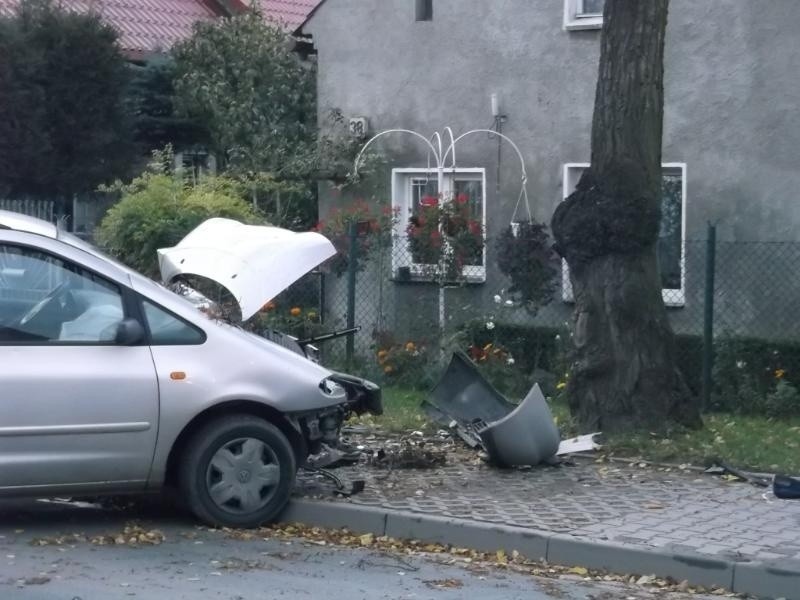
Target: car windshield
181,289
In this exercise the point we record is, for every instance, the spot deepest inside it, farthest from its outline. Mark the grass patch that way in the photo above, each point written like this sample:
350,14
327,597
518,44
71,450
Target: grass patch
401,411
747,442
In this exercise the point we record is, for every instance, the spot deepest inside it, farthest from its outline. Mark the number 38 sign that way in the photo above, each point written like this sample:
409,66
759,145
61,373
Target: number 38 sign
358,127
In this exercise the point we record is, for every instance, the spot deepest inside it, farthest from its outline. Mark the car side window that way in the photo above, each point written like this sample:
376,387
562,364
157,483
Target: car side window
168,330
44,299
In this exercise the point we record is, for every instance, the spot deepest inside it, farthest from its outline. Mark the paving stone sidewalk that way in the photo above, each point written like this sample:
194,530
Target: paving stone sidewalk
674,510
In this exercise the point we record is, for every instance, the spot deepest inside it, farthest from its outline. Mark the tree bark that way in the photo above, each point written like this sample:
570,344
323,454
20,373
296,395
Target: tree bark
624,373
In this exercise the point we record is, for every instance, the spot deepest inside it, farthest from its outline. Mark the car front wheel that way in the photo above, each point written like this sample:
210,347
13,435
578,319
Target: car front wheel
238,471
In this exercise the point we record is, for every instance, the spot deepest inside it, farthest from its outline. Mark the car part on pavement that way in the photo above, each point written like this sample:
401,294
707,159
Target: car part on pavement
353,487
464,400
582,443
512,435
526,436
786,488
332,456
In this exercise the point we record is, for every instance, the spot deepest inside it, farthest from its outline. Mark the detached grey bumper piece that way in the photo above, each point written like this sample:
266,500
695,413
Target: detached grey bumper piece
512,435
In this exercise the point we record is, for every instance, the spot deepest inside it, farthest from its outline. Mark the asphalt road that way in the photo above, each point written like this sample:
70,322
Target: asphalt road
195,563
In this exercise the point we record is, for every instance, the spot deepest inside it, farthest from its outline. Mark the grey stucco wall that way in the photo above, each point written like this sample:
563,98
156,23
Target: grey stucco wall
732,92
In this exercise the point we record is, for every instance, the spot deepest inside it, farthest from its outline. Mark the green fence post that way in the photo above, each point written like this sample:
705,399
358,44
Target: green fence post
708,316
352,265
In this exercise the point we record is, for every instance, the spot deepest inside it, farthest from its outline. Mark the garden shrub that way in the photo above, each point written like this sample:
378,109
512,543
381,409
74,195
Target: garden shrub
784,401
158,209
756,376
403,363
511,355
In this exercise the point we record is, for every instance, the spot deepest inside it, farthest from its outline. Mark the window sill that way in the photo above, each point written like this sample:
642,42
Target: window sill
418,275
583,23
672,298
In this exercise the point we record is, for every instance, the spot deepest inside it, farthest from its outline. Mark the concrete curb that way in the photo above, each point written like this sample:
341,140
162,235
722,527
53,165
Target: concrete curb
778,579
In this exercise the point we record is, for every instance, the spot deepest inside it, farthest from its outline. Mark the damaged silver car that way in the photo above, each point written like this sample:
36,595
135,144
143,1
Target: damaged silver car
111,383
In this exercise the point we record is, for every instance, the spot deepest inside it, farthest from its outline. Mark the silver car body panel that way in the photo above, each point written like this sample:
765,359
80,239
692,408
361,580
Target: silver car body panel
76,414
105,417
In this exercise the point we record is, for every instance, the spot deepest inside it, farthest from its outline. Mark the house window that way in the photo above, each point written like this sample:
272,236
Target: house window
423,236
193,165
583,14
424,10
671,241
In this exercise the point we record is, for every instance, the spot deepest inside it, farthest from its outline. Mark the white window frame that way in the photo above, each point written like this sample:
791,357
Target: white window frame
189,174
575,19
401,198
673,298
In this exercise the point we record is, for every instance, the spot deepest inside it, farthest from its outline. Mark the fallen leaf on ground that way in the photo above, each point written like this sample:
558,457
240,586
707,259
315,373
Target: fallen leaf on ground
444,583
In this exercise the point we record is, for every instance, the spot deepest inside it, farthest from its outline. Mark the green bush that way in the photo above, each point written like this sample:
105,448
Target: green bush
531,347
511,355
157,210
784,401
756,376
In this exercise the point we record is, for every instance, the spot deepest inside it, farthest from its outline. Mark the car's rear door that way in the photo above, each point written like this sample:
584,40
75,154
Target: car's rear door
77,411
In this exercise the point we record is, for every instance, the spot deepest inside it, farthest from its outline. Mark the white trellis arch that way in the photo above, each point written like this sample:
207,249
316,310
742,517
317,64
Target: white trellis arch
441,153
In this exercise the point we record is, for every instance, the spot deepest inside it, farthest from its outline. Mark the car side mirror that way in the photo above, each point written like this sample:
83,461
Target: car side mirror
129,333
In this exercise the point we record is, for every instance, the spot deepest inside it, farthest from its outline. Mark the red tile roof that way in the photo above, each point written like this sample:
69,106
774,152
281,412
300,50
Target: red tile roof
290,13
145,26
148,26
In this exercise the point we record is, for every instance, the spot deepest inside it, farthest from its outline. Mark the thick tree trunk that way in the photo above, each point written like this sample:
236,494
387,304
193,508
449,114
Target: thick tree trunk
624,371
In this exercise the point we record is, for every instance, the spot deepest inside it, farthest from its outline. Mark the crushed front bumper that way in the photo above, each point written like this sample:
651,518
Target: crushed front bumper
363,396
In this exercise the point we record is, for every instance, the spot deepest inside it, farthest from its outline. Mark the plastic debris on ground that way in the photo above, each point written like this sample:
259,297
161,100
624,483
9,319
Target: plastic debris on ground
511,434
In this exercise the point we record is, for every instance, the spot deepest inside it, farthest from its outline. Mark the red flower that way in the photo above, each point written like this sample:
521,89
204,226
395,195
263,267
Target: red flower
474,228
476,353
429,201
462,198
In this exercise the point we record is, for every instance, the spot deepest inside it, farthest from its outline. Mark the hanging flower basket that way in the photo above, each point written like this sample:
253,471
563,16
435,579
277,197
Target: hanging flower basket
525,255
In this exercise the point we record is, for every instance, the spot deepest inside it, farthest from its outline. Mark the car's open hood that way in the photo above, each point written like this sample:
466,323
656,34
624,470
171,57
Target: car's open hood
255,263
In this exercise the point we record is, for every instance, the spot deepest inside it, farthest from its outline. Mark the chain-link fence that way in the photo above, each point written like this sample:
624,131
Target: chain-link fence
732,305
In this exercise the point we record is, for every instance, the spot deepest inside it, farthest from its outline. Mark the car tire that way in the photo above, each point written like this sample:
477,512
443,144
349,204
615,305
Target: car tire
237,471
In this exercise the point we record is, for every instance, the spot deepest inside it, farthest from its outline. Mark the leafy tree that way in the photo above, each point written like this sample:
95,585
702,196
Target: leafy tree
151,103
625,373
62,121
241,77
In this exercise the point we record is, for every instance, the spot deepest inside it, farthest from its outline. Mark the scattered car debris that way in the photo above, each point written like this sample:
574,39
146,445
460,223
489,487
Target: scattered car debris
408,455
352,488
727,470
333,456
786,488
511,435
582,443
